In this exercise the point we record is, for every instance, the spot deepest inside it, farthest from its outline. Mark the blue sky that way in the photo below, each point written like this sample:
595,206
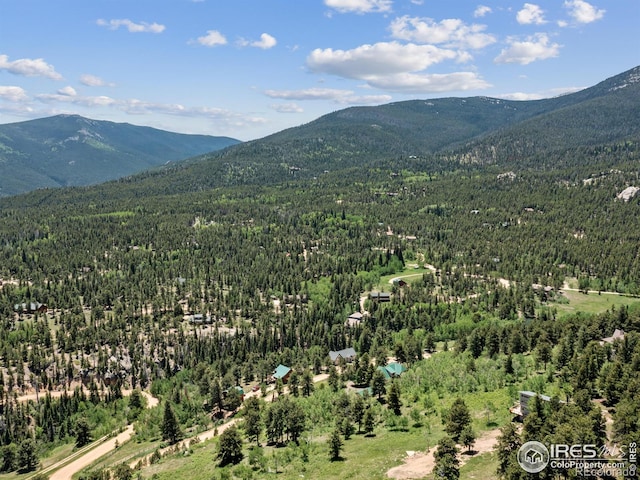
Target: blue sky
249,68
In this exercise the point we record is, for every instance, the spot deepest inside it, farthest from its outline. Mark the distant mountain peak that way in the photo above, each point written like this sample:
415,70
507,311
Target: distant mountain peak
71,150
630,77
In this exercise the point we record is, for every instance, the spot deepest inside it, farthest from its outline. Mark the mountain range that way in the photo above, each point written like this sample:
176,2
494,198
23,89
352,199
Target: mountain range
69,150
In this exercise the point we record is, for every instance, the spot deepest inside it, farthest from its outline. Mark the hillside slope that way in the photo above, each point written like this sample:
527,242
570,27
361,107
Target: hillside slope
67,150
436,132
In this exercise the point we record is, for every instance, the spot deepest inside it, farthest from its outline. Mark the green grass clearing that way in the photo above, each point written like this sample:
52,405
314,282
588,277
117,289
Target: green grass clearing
592,303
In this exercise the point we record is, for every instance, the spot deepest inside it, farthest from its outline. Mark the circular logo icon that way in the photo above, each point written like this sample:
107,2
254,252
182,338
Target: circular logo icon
533,457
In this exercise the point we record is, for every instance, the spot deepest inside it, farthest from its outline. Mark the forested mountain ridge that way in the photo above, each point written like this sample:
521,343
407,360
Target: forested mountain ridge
67,150
459,130
606,114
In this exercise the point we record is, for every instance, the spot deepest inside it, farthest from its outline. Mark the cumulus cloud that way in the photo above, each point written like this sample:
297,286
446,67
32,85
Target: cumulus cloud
29,67
429,83
359,6
142,27
530,14
309,94
287,108
93,81
481,11
12,94
383,58
266,42
68,91
583,12
330,94
62,97
537,47
212,39
138,107
554,92
395,67
451,32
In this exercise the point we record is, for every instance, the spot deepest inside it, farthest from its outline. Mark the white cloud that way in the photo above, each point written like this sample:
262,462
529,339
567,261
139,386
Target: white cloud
29,67
451,32
583,12
429,83
385,58
532,49
562,23
93,81
138,107
68,91
359,6
266,42
287,108
101,101
554,92
309,94
395,67
12,94
481,11
530,14
212,39
331,94
132,27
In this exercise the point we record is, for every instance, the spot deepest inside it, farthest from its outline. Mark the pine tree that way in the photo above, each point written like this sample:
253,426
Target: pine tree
335,445
307,383
378,384
393,399
467,437
447,463
27,457
508,445
334,379
368,422
458,418
357,411
230,447
170,428
83,432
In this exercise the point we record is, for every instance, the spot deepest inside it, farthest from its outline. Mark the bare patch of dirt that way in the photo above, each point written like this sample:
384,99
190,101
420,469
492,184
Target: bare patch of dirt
420,464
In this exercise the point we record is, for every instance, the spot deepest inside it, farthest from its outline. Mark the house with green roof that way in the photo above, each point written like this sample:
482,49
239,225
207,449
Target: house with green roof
282,372
392,370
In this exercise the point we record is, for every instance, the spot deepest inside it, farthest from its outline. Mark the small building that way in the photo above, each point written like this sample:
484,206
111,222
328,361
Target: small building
398,282
31,307
354,319
618,334
240,392
199,319
521,409
380,296
348,354
282,372
392,370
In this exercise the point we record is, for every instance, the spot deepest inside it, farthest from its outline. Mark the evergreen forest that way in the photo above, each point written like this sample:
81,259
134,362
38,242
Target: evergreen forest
161,305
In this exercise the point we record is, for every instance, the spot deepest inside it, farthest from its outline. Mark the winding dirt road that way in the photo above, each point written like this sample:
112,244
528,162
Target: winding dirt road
69,466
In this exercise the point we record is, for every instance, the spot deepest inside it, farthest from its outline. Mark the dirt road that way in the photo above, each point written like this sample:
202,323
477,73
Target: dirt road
212,432
69,466
66,472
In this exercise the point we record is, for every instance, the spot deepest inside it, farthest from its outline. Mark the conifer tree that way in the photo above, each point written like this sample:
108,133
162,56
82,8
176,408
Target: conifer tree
335,445
230,447
170,428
